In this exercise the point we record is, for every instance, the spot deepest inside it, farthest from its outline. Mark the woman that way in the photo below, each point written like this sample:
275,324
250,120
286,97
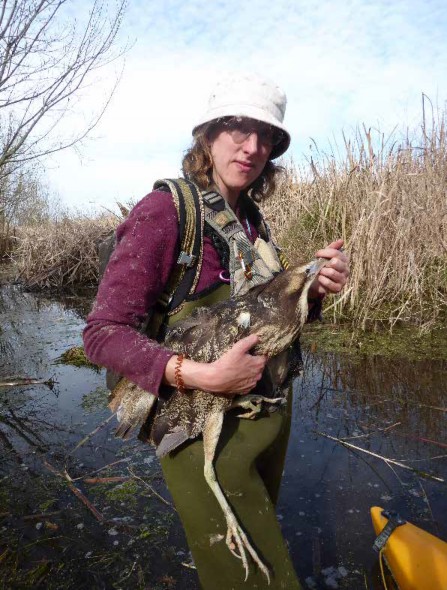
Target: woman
232,152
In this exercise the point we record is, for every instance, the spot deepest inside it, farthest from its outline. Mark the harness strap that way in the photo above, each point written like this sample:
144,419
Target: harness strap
248,267
394,521
258,220
184,277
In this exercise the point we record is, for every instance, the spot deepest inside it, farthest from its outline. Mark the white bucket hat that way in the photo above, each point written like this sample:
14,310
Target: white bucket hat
247,95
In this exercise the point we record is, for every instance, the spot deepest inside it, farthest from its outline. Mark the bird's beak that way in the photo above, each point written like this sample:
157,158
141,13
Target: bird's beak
314,267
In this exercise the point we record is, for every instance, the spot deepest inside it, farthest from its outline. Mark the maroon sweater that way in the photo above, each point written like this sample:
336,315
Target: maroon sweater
147,247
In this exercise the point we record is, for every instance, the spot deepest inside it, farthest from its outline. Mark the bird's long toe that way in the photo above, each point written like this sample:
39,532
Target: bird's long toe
253,404
238,543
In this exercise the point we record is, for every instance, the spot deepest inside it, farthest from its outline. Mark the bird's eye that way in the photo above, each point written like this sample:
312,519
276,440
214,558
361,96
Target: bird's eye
312,267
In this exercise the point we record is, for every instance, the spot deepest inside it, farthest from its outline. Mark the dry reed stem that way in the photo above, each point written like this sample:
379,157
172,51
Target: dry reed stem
91,434
151,489
388,201
125,460
113,479
386,197
63,254
76,491
24,381
387,460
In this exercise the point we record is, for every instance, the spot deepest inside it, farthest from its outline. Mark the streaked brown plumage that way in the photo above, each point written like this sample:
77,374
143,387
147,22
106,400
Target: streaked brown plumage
276,312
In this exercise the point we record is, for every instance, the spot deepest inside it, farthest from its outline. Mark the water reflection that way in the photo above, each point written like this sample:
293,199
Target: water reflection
376,391
395,409
390,407
34,331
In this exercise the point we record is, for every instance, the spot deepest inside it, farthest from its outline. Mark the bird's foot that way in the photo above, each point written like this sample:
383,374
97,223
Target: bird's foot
253,404
238,543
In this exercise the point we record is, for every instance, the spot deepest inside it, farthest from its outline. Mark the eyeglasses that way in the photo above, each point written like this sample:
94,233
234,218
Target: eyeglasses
240,129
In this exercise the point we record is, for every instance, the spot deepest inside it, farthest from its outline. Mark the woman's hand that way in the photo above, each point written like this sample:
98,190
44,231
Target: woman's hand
333,277
236,372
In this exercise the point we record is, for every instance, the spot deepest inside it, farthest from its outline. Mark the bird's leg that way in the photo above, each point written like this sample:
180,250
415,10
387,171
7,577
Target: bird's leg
253,404
236,538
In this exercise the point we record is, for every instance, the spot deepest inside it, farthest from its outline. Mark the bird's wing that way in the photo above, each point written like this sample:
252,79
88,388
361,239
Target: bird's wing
189,336
183,417
132,405
206,336
170,441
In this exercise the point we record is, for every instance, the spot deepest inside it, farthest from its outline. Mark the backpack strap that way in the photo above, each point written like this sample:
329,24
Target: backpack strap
183,280
248,265
254,213
263,229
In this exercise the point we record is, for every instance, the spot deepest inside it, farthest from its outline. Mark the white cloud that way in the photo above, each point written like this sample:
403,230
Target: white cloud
340,63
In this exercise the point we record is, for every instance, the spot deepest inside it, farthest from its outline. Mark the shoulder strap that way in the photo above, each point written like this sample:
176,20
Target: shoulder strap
188,203
249,264
189,207
264,229
257,218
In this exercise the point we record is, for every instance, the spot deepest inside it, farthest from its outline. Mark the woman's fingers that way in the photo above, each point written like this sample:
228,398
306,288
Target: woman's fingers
244,345
331,285
334,276
240,353
333,254
336,245
237,371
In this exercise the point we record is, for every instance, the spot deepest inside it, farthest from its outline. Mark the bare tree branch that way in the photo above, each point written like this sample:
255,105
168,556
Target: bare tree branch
48,60
45,63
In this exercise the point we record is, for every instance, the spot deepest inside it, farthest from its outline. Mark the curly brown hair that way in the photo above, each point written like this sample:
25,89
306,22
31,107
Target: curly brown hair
197,165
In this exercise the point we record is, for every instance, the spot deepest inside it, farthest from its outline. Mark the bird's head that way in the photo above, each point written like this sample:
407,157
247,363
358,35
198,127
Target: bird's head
296,282
300,278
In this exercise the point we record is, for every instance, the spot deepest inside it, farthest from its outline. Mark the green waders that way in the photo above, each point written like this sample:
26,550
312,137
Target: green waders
249,464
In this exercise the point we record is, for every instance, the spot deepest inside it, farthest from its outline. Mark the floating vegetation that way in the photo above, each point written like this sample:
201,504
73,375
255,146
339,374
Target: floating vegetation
403,342
76,356
157,531
126,492
95,400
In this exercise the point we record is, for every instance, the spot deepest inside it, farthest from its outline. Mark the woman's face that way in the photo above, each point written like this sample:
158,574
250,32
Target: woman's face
238,157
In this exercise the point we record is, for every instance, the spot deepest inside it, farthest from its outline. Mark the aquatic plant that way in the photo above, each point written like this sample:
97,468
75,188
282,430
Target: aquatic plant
76,356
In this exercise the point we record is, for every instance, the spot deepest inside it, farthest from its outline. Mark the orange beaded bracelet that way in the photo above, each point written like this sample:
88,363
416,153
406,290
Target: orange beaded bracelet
179,383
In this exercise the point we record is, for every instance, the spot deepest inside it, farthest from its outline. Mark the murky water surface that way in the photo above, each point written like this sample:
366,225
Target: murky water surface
97,532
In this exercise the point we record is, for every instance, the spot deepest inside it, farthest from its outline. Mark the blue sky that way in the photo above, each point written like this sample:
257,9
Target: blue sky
341,62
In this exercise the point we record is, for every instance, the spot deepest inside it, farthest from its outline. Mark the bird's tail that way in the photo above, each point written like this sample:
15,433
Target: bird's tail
124,430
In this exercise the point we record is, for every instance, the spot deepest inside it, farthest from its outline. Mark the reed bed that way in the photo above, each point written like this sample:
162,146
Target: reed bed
62,255
7,243
387,199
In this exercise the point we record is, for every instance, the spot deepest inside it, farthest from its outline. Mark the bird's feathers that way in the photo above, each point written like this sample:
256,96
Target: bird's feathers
132,405
171,440
276,312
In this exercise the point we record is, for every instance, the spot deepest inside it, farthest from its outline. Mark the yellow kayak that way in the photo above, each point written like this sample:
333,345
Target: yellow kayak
417,559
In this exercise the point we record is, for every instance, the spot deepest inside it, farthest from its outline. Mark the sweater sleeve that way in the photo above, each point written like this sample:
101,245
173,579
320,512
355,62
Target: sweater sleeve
135,277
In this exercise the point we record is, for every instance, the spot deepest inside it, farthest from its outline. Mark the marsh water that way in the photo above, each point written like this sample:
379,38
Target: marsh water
79,509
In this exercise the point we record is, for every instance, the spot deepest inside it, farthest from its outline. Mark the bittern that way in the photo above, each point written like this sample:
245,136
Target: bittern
276,312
